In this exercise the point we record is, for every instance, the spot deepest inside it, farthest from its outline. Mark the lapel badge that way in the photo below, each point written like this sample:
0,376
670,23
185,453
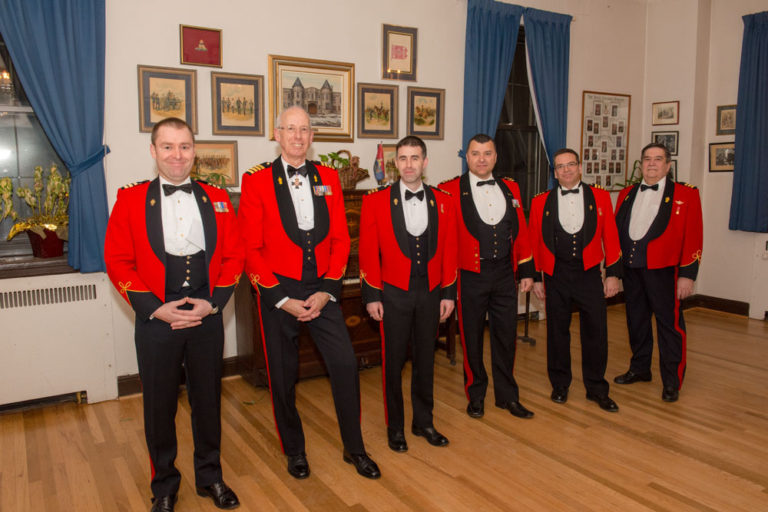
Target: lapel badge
666,199
205,199
395,201
279,180
432,203
515,203
314,176
465,193
546,213
220,207
322,190
590,207
152,202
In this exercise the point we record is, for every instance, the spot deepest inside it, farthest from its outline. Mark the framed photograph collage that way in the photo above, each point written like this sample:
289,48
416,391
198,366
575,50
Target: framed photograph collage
604,138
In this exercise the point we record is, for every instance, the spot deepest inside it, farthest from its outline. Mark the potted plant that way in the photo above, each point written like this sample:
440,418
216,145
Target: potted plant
349,168
48,198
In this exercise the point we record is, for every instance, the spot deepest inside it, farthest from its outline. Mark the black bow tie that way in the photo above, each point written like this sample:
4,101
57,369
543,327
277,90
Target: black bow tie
486,182
644,187
571,191
418,195
170,189
301,170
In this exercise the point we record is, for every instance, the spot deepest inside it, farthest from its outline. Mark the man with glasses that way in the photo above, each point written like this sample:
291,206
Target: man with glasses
660,228
572,231
493,245
296,240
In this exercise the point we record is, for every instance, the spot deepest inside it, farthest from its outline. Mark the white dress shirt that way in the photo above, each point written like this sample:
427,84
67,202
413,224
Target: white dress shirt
570,209
489,200
301,194
415,211
644,210
182,224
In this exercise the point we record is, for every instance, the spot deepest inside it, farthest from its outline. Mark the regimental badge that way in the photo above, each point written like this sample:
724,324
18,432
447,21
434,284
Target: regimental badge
205,199
322,190
666,199
590,207
395,201
152,202
431,203
546,213
314,176
279,180
515,203
220,207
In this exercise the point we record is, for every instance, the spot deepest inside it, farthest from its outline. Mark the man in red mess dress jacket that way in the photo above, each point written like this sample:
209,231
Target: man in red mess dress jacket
297,245
173,251
493,245
408,279
661,234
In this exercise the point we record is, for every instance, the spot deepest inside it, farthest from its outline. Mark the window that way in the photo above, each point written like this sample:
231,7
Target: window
521,155
23,146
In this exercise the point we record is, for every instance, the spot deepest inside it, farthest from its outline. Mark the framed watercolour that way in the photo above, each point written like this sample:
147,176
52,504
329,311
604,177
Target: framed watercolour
426,112
200,46
166,92
666,112
722,156
605,138
726,120
376,111
669,139
237,103
399,58
323,88
216,162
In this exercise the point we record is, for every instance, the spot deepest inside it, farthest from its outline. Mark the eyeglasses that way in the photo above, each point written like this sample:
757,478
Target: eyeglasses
301,130
569,165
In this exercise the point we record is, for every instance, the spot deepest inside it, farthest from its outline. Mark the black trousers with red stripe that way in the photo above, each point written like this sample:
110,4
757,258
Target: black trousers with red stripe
281,350
492,291
411,317
654,291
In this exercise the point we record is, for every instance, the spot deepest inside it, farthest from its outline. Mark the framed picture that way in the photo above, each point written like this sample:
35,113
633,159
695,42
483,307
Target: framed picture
323,88
166,92
426,112
726,120
605,136
391,173
399,59
666,112
200,46
376,111
237,103
722,156
673,169
669,139
216,162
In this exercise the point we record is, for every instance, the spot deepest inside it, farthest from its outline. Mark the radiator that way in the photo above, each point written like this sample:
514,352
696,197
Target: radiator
57,338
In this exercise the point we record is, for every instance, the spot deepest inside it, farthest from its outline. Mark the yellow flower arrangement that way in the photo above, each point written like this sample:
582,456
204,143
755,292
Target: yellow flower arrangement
48,198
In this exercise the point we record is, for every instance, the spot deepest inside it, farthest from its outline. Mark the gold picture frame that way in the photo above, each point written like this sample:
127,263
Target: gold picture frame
216,162
377,111
166,92
426,113
237,103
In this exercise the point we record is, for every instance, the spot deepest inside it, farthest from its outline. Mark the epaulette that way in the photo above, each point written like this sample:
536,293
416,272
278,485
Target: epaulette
508,179
541,193
448,180
257,168
687,185
595,185
203,180
440,190
124,187
324,165
378,189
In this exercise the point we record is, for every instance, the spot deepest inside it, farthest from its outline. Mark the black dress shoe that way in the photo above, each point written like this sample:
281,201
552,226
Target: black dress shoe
434,437
517,409
670,394
630,377
298,466
221,494
559,395
604,401
475,409
163,504
364,465
397,440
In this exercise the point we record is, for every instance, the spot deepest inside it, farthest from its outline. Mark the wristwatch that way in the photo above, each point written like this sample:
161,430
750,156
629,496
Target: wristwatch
215,308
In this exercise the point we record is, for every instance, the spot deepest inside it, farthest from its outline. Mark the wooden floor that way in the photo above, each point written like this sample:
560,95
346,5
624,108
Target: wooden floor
709,451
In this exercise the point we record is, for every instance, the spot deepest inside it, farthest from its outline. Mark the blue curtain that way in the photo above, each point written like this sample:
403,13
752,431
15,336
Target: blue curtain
548,39
57,47
749,197
490,47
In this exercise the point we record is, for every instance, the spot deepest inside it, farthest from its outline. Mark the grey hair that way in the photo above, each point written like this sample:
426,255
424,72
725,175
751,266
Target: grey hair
278,124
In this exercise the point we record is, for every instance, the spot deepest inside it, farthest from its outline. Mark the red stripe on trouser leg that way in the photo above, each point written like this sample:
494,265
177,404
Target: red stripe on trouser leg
384,373
683,337
269,377
467,370
152,468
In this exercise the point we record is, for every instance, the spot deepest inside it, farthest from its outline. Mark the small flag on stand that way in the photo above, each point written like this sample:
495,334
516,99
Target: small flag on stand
378,164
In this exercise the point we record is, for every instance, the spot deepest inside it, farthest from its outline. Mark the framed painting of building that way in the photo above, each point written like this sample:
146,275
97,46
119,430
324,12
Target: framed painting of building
321,87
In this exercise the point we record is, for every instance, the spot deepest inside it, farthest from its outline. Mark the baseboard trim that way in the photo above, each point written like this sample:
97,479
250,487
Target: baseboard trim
701,301
131,384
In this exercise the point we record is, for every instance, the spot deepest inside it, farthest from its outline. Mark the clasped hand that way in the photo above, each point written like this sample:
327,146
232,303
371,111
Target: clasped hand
307,310
171,313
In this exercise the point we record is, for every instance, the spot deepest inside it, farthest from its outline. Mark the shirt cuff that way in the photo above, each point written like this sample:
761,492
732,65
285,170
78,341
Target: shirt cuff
331,297
281,302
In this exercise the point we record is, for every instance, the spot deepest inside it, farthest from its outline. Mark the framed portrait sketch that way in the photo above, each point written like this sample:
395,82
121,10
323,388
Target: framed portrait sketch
200,46
426,113
376,111
722,156
726,120
166,92
665,112
605,138
669,139
321,87
399,58
216,162
237,103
